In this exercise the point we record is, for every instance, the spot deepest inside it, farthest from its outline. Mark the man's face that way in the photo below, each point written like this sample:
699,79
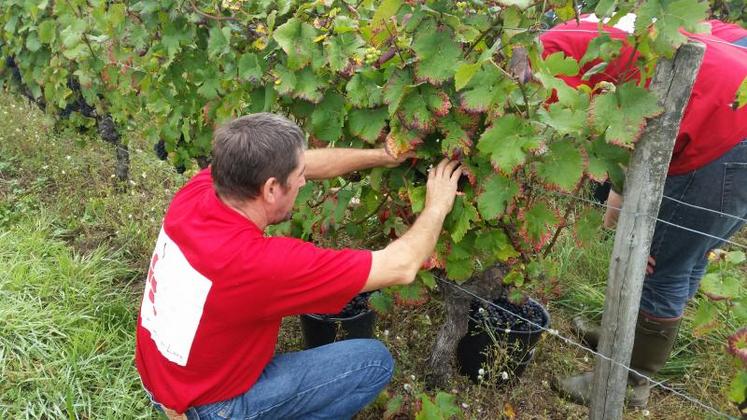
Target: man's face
287,195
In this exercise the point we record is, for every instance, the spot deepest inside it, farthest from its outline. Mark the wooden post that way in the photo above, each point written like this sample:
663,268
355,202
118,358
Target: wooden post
672,84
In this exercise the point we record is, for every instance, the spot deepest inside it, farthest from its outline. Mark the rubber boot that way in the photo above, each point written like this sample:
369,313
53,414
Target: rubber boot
654,340
587,330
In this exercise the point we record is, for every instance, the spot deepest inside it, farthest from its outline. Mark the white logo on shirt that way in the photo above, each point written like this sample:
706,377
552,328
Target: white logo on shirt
173,300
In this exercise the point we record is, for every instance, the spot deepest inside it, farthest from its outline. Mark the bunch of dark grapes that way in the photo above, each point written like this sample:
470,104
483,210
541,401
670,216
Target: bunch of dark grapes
160,149
356,306
503,319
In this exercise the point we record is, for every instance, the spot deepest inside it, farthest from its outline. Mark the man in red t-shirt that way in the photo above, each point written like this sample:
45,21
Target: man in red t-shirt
704,191
217,287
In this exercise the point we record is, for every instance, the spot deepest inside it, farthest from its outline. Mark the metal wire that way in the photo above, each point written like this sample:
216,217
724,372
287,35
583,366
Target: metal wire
586,200
567,340
704,208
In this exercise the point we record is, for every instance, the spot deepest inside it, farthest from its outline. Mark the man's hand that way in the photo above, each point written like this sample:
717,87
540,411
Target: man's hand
614,203
441,188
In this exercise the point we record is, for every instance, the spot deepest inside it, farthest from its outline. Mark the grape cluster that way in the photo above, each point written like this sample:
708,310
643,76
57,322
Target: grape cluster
356,306
160,149
504,320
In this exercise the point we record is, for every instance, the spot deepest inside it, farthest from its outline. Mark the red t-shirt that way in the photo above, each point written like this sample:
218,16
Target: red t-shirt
216,291
709,127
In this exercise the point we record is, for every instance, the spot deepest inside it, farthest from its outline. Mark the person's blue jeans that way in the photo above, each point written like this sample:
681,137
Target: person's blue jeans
334,381
681,256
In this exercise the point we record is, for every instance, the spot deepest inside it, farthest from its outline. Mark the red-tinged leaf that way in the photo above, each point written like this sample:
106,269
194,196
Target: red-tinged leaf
456,139
562,166
738,344
438,53
507,142
497,193
621,115
538,223
488,89
606,160
400,140
705,319
308,86
563,119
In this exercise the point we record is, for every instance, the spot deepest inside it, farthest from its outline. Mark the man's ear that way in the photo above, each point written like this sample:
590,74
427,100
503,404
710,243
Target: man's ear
270,190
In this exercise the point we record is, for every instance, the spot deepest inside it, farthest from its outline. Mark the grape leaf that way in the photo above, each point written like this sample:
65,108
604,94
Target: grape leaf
496,244
176,33
398,85
557,63
308,86
367,124
218,42
497,194
414,112
456,139
606,160
487,89
705,318
460,219
249,68
622,114
562,165
741,97
564,120
666,17
340,48
738,387
296,38
47,32
363,91
464,74
381,302
437,52
586,228
717,286
328,118
507,141
411,294
538,220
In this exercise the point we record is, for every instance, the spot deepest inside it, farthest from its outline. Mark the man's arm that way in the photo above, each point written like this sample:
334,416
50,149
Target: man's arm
329,163
400,261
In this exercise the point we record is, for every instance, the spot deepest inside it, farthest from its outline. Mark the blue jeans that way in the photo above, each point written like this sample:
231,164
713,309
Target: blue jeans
681,256
328,382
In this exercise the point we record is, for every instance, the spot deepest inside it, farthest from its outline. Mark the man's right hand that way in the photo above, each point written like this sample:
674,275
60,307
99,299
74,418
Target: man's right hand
441,188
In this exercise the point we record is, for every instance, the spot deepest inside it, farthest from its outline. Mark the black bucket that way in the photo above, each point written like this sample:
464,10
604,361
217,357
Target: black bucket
475,348
319,330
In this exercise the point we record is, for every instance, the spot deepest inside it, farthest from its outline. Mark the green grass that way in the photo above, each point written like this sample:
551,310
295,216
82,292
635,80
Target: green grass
73,253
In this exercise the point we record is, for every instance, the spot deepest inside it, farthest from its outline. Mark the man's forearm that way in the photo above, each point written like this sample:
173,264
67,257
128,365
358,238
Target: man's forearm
329,163
401,260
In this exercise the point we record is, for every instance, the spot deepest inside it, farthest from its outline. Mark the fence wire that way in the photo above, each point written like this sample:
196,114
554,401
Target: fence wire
570,341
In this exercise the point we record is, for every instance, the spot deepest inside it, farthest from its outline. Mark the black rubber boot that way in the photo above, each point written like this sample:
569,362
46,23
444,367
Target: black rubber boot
587,330
654,340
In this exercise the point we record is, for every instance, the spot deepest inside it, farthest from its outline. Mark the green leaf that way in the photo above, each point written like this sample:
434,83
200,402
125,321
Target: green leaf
557,63
428,410
414,112
363,91
446,403
521,4
459,264
456,139
741,97
398,85
507,141
386,9
735,257
464,74
367,124
393,406
460,219
286,80
488,89
427,278
417,198
605,8
538,221
296,38
602,47
47,31
340,48
250,68
738,387
514,278
412,294
437,52
562,165
175,34
308,86
705,318
563,119
497,194
667,18
719,286
381,302
496,244
218,43
606,160
328,118
32,42
586,228
622,114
